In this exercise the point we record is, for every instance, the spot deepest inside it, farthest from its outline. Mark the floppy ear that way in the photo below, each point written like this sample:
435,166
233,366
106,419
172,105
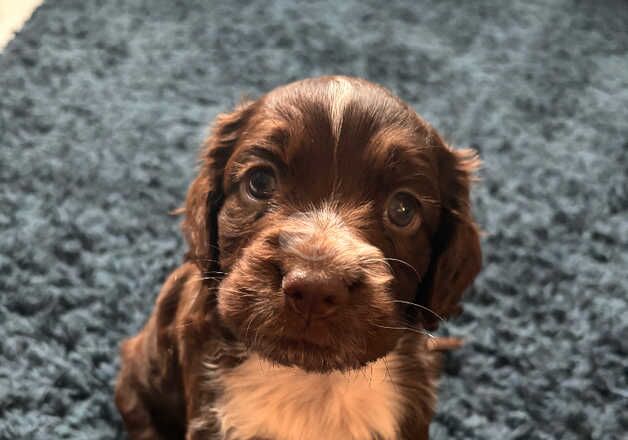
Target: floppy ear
205,194
456,255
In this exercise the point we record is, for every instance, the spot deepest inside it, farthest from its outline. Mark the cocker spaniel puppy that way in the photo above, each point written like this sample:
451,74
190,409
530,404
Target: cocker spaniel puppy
328,228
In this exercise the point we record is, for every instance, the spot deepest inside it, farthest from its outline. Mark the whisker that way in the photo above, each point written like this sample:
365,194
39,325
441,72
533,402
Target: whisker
385,260
420,332
209,272
238,291
206,278
427,309
405,263
248,326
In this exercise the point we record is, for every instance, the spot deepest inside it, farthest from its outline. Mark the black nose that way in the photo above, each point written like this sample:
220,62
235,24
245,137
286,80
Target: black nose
313,294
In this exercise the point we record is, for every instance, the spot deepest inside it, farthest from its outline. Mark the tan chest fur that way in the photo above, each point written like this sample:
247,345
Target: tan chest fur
286,403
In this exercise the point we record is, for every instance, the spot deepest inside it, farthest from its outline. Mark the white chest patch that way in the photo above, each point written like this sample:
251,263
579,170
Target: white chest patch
286,403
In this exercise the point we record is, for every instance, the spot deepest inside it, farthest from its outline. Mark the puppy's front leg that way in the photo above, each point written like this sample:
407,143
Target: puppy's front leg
149,391
131,394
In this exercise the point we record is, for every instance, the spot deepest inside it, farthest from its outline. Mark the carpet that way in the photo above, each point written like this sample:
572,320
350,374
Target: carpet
104,104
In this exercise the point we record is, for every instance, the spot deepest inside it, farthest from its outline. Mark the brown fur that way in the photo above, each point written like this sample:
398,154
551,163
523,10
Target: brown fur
340,147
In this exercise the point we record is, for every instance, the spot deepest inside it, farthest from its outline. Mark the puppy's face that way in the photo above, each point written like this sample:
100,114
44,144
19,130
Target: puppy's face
332,207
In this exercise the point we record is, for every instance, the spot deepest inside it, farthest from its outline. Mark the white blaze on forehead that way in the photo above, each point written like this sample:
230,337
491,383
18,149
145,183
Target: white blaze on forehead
340,90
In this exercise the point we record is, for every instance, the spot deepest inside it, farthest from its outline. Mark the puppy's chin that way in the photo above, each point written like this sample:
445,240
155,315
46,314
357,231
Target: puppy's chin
337,343
322,347
311,357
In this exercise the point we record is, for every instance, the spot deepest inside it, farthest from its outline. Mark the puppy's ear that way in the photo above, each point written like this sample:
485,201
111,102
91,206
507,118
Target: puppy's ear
456,256
205,194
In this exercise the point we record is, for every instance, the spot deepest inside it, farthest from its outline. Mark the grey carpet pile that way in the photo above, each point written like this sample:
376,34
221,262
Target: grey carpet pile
103,105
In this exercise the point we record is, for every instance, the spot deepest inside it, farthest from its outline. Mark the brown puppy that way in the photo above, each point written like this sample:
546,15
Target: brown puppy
329,224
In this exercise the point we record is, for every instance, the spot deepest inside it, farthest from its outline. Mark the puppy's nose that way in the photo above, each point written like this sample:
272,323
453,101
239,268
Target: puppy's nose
314,294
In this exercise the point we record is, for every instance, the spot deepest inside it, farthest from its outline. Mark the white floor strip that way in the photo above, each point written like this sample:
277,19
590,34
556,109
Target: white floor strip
13,15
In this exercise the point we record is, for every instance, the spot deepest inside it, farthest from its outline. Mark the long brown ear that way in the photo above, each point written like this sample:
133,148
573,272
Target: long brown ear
456,256
205,194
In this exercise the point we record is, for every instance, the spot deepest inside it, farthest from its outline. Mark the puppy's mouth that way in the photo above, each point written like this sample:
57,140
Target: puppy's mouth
346,338
321,345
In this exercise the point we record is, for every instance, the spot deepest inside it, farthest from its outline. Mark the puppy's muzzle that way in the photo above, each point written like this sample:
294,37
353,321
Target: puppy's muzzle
323,261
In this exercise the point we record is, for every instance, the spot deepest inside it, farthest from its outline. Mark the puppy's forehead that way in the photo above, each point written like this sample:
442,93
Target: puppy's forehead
339,131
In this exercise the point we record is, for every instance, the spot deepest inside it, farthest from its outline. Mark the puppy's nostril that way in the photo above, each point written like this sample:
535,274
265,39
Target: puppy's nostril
356,284
330,300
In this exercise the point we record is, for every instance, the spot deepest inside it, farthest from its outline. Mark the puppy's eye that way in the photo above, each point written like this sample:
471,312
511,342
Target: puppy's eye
402,209
261,183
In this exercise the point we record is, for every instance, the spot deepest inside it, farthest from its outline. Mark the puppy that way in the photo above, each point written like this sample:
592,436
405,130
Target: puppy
328,228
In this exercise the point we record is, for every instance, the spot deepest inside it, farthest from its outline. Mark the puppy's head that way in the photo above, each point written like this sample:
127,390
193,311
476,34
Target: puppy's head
337,216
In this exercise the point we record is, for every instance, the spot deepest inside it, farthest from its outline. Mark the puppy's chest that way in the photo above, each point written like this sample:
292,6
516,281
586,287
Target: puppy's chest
262,400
